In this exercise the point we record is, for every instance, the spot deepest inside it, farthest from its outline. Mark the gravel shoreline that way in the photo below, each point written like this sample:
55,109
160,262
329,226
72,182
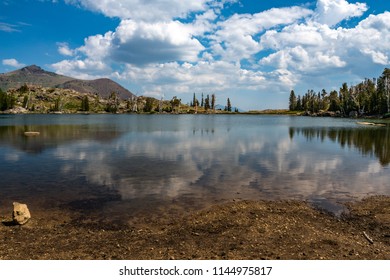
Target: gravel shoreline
235,230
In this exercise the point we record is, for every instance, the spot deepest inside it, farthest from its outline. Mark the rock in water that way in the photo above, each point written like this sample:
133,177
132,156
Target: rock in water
21,214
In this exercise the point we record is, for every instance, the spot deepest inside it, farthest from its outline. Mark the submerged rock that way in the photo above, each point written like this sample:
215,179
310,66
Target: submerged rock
31,133
21,214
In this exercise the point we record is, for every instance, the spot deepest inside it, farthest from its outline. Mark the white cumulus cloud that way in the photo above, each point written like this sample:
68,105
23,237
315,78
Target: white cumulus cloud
236,36
63,48
332,12
143,42
82,69
13,62
180,47
151,10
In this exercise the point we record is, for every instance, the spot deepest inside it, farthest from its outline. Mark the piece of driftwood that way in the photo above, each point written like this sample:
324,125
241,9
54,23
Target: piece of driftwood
368,238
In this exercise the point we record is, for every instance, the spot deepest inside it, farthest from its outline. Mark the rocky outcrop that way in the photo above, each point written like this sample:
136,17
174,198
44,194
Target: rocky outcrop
353,114
21,214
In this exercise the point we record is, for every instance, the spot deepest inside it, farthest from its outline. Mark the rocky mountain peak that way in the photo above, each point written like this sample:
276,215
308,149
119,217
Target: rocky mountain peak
33,69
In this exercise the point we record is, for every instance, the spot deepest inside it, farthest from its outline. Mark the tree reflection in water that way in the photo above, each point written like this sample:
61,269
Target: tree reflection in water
369,141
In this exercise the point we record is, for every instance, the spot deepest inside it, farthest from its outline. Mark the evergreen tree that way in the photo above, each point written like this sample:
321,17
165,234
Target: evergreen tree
324,100
292,101
229,105
213,102
299,103
3,100
23,89
175,103
85,104
149,104
383,100
57,105
334,105
207,103
7,101
194,101
345,99
371,96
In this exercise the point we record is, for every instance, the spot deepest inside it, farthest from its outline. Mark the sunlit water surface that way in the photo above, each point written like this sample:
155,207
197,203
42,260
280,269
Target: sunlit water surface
117,164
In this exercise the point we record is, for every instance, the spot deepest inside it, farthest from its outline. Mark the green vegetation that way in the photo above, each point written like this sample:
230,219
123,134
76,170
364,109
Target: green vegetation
208,104
23,89
7,100
85,104
57,105
370,97
112,103
228,107
25,101
175,102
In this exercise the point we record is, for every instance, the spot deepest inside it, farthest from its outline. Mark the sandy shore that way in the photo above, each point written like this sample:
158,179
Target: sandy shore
235,230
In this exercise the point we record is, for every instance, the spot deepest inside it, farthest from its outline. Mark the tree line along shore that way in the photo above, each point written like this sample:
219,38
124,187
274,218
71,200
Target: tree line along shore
38,99
370,97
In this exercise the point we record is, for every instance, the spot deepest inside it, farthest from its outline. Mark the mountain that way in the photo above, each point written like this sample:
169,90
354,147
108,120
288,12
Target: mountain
102,86
35,75
31,75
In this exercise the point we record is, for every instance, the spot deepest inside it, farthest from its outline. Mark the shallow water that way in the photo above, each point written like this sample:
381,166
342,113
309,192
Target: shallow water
127,163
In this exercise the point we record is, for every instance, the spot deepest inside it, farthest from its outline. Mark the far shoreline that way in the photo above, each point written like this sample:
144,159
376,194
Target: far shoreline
273,112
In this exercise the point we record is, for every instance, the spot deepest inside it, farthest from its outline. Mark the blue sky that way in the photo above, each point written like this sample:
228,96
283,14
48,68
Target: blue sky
252,51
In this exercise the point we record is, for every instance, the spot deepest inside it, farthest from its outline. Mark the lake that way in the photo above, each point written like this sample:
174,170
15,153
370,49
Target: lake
115,164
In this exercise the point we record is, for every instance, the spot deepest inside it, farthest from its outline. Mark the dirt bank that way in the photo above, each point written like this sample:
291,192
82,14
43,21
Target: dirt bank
237,230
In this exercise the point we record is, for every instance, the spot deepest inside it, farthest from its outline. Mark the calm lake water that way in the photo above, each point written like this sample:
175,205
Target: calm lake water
127,163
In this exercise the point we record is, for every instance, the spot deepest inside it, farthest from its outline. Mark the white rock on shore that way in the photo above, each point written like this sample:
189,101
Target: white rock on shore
21,214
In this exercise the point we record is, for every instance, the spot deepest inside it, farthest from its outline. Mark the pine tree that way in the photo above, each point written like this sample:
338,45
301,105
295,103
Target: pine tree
299,103
345,99
293,101
23,89
213,102
149,105
194,101
371,96
334,101
229,105
207,103
85,104
175,103
57,105
3,100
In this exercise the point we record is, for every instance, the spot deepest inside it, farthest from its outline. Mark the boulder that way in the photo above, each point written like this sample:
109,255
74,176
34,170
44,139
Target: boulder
353,114
21,214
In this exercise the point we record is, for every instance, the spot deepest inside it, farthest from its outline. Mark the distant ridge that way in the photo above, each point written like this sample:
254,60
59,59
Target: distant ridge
104,87
35,75
31,75
221,107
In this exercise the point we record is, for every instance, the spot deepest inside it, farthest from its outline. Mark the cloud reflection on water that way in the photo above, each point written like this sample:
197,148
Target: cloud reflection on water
209,158
241,162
